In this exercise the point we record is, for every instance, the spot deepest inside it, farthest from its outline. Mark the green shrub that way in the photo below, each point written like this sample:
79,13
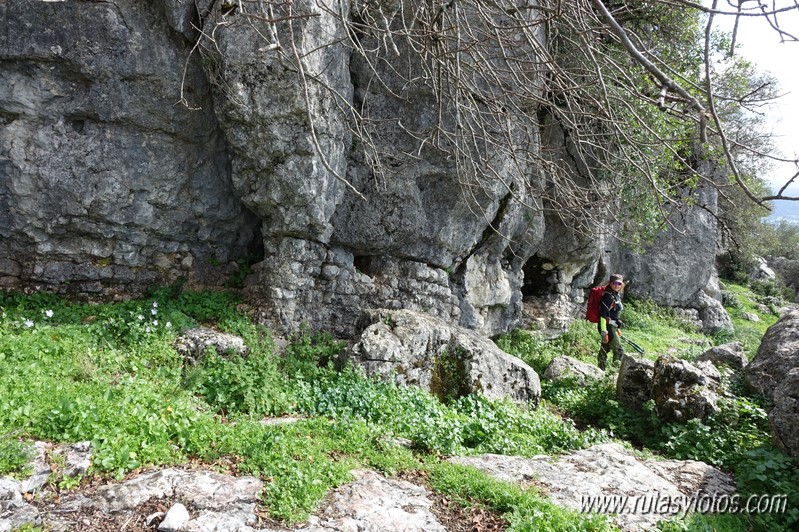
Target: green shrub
15,456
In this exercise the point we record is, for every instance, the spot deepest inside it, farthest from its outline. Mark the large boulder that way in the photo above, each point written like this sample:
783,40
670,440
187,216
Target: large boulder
777,355
566,367
784,417
634,382
684,391
450,361
774,373
731,355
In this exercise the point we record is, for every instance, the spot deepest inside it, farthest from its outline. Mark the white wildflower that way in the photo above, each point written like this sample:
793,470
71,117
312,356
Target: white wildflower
28,323
147,329
49,313
154,311
169,325
155,304
155,323
140,317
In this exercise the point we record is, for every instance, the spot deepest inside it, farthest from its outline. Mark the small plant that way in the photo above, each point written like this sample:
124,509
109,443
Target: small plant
15,456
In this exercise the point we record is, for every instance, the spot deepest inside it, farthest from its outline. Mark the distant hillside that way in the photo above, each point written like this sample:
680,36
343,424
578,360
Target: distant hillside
787,210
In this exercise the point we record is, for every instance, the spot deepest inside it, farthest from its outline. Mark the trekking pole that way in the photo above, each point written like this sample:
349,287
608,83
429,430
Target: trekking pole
632,344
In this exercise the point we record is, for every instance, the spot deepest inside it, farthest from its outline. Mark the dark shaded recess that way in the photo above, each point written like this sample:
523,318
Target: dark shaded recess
536,280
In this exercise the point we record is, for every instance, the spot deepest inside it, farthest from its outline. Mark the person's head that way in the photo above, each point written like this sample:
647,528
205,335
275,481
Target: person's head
616,282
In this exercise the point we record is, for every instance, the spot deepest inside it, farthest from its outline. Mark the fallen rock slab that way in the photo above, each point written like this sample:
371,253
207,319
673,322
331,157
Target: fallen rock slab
373,503
608,479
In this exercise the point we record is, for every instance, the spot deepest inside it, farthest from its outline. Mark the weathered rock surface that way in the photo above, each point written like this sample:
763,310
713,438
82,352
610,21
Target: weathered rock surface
761,271
773,373
106,184
373,503
109,187
566,367
784,417
731,355
634,382
192,343
777,355
417,349
650,490
216,502
683,391
678,268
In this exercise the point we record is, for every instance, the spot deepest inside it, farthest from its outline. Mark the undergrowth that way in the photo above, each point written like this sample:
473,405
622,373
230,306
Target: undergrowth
109,373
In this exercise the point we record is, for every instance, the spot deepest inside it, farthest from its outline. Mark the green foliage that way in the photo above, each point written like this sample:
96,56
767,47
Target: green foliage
580,341
501,427
239,384
739,425
15,456
779,239
766,470
295,458
94,372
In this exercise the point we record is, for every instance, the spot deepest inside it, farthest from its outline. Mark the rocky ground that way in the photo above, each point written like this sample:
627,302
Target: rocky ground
196,499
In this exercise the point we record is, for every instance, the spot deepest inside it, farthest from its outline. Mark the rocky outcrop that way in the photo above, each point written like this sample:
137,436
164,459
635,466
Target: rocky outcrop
680,390
107,185
731,355
611,480
774,373
777,355
195,139
174,499
634,382
784,417
416,349
569,368
678,268
684,391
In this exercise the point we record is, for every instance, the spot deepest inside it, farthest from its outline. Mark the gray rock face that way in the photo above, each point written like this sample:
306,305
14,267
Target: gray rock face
104,181
609,479
107,186
784,417
731,355
565,367
682,391
449,361
777,355
634,383
327,287
774,373
678,268
680,262
761,271
711,313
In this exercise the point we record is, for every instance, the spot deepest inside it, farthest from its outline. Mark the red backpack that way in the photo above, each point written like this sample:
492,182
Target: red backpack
594,301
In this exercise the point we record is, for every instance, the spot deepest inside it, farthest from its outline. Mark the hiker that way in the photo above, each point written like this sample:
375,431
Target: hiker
609,323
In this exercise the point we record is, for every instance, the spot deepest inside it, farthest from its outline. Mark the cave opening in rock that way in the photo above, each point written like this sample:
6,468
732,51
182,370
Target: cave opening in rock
540,277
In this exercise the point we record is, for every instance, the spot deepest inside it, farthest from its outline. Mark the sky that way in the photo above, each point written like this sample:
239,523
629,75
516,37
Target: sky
761,44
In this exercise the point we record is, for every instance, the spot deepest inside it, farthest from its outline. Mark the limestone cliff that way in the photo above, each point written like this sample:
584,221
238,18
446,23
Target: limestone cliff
143,142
